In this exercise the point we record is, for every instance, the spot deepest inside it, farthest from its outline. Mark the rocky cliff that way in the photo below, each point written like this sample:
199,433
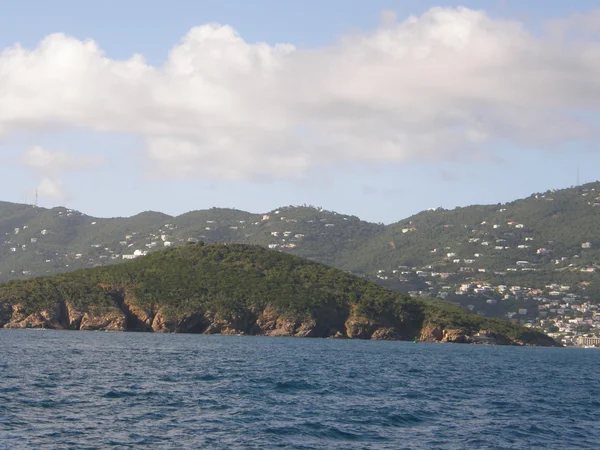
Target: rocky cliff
240,289
126,316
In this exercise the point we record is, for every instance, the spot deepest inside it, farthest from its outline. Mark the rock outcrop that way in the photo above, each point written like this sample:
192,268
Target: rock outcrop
359,327
165,322
138,318
127,315
6,312
47,318
431,334
74,316
113,320
457,336
385,334
272,323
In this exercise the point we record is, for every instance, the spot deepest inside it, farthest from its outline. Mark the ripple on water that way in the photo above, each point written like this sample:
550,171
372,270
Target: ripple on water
130,390
120,394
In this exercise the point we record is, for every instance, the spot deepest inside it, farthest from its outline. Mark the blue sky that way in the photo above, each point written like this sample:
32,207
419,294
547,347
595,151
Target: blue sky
454,109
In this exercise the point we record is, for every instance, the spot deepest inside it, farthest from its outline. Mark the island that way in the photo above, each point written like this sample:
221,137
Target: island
239,289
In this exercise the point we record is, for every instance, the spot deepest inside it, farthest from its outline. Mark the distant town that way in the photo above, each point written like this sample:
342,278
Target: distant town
497,267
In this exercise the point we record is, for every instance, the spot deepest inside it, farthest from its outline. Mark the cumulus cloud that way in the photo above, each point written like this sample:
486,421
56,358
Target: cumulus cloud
51,188
442,86
50,165
47,161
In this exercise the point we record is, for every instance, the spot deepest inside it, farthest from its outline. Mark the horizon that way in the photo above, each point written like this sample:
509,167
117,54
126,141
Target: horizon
305,206
380,111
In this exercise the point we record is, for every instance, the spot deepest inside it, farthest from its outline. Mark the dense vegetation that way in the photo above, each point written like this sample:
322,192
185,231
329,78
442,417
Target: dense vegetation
59,240
236,280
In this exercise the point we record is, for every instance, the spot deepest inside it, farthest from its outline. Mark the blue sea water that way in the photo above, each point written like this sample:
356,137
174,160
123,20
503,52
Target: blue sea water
61,389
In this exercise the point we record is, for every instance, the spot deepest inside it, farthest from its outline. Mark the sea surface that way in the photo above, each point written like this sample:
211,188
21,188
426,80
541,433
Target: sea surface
91,390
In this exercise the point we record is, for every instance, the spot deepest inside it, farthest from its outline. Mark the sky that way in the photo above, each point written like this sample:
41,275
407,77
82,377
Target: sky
377,109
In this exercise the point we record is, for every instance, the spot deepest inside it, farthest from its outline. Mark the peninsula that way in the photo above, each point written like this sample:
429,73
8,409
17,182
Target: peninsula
242,289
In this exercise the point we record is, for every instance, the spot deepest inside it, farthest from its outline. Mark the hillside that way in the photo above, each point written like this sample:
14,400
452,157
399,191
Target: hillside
529,260
240,289
42,241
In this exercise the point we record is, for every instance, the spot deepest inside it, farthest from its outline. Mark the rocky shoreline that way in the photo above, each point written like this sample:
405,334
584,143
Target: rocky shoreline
126,316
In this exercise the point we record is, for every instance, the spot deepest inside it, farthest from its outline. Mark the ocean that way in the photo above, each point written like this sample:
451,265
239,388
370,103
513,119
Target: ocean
93,390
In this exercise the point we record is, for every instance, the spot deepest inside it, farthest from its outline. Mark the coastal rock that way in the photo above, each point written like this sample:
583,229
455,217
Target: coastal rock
283,328
47,318
165,322
34,320
267,321
228,331
337,335
385,334
138,318
113,320
53,316
242,321
534,340
18,313
6,312
270,323
306,329
431,334
358,327
74,316
217,326
458,336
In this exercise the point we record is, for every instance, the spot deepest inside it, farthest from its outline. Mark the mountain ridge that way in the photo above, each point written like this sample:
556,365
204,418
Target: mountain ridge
541,240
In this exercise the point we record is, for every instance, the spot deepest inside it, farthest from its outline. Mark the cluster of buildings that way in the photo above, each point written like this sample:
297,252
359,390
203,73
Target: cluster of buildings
564,312
469,273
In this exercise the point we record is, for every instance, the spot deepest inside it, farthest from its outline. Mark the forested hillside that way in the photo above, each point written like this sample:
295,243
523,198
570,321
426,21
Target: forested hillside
240,289
495,259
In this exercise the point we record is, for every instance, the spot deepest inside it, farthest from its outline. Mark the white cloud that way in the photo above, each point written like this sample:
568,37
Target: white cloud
49,165
441,86
47,161
51,188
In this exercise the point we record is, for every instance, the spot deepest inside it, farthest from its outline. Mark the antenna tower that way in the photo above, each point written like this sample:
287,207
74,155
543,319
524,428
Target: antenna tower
36,198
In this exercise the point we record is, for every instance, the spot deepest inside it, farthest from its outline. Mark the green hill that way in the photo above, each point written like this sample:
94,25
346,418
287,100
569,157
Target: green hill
535,244
239,289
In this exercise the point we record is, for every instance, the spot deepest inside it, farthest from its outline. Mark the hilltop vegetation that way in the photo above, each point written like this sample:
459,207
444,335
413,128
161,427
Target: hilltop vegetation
546,240
239,289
